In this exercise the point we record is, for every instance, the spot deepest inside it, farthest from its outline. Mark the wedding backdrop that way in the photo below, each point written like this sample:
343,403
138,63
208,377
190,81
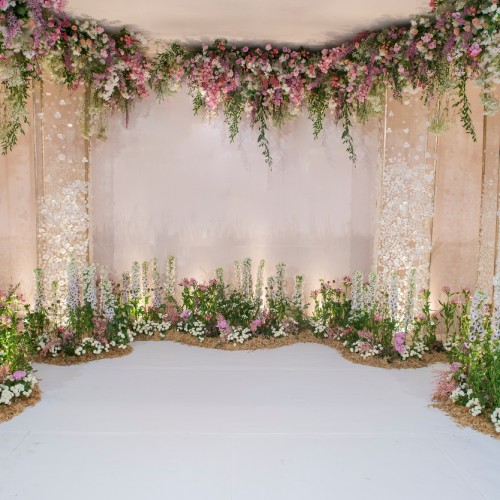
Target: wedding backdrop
243,194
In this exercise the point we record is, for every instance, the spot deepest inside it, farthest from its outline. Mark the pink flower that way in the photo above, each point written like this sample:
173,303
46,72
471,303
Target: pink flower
256,323
366,334
399,342
474,50
222,324
18,375
185,314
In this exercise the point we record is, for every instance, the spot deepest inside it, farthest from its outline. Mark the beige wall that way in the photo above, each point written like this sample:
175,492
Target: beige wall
461,181
173,184
18,215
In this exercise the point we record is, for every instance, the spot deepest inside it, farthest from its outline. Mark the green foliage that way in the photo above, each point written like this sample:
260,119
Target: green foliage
317,106
262,137
14,344
13,114
464,107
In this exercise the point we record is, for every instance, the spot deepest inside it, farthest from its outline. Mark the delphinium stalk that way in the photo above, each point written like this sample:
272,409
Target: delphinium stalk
219,275
237,275
247,278
107,297
135,281
356,293
55,310
280,280
39,289
170,277
270,289
370,299
89,287
125,287
477,316
145,281
157,292
410,299
73,291
298,292
496,308
259,284
394,296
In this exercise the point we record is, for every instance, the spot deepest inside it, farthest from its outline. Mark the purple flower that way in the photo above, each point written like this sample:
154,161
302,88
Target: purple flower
19,375
185,314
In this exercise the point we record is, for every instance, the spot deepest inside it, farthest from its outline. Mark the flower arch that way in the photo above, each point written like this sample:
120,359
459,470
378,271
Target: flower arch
437,53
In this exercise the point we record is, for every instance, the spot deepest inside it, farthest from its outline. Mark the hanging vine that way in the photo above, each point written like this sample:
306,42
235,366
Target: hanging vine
439,53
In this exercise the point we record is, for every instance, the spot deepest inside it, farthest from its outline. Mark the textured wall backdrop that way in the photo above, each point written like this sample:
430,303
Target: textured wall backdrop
172,183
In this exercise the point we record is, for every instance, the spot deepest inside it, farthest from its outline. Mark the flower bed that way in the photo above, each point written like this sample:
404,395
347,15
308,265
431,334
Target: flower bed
470,388
368,322
18,384
84,330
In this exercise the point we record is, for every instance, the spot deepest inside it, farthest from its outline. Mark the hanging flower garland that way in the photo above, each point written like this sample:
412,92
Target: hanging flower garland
437,53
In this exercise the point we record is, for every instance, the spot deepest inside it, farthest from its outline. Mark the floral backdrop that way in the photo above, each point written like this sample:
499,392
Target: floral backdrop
437,53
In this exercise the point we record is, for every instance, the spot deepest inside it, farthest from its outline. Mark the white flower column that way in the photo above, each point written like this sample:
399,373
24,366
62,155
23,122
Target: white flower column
406,191
62,182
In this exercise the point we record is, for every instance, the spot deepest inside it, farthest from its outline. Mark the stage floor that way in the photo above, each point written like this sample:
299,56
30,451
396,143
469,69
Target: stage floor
300,422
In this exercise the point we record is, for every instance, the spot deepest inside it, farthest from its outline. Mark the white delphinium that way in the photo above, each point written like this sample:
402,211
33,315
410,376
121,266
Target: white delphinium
237,275
145,279
259,284
39,289
356,293
495,419
495,323
219,275
370,298
280,280
135,281
170,277
73,292
270,289
54,308
107,297
410,299
394,296
247,278
126,287
477,316
298,292
90,287
157,295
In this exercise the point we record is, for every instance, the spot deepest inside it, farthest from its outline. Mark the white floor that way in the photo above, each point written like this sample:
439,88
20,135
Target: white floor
177,422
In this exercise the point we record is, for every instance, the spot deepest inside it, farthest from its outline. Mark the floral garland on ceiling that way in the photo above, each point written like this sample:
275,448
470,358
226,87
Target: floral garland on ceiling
437,53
